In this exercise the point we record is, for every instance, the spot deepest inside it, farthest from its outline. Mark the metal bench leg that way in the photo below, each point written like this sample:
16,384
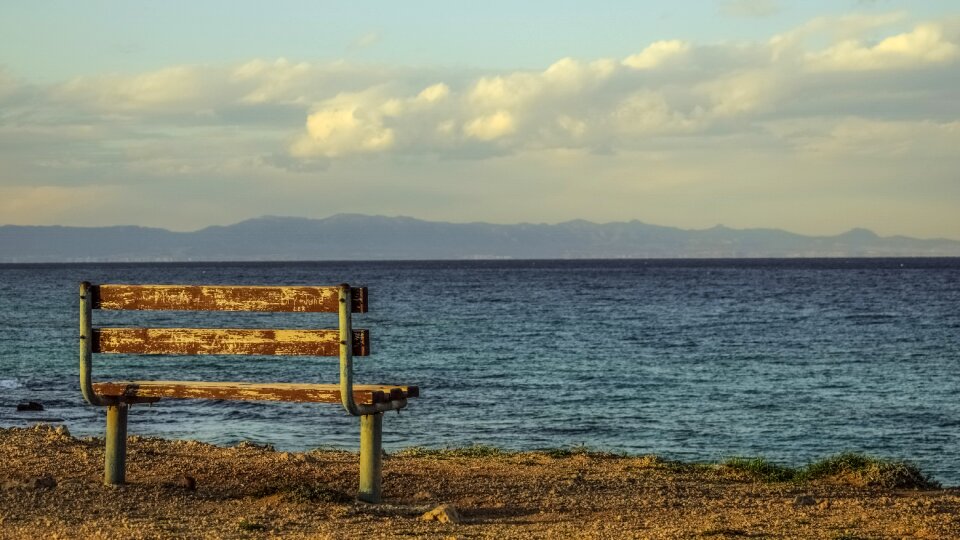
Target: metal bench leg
116,454
371,461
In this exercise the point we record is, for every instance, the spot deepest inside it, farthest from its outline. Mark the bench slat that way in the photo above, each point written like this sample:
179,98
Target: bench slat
259,341
224,298
317,393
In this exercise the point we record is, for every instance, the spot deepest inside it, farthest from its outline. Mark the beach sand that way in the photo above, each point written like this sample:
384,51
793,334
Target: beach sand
248,491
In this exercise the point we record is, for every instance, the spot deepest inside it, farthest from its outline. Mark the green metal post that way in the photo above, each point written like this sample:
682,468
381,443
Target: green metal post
86,345
346,350
371,461
115,460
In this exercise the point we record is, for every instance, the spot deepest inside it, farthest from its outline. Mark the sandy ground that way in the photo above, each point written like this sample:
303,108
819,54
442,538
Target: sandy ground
50,488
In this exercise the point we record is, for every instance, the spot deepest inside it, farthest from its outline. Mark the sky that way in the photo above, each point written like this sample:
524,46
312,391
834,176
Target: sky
810,116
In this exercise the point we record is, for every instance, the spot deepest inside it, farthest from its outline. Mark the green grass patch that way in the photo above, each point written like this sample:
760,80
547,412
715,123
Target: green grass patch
862,470
576,450
475,451
847,468
760,469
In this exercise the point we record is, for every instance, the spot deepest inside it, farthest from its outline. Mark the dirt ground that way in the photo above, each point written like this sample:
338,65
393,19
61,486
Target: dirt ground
50,488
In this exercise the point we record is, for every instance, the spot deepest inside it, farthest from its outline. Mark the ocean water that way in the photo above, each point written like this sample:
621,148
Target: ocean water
699,360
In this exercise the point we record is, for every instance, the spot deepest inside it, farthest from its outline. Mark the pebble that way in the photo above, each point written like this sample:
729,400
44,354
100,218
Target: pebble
444,514
185,481
30,406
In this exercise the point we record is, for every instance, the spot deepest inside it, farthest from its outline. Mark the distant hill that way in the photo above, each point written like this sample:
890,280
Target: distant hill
361,237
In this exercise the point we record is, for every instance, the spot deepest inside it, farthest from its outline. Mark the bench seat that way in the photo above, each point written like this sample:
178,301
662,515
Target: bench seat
315,393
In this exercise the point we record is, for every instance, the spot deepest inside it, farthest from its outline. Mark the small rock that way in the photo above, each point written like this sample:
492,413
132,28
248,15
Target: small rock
824,504
444,514
30,406
250,445
185,481
804,500
288,456
46,482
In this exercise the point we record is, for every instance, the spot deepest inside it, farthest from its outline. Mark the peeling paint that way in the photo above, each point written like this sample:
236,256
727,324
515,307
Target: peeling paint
258,341
317,393
224,298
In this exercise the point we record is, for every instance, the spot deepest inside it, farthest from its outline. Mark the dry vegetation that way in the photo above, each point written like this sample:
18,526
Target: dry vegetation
50,488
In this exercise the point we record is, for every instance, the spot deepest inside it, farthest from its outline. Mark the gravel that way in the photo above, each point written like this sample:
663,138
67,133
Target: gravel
50,488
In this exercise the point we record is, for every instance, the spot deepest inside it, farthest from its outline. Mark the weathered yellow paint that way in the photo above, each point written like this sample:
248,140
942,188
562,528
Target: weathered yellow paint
223,298
260,341
317,393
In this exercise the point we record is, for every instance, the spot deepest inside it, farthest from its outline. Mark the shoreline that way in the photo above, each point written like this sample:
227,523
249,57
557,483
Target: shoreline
186,489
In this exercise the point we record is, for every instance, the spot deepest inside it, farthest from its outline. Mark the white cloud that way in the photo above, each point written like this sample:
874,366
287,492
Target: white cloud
172,88
657,54
346,124
490,127
434,93
647,113
925,44
278,81
742,92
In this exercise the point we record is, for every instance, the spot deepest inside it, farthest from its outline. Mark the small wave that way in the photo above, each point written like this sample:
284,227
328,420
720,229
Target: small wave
10,384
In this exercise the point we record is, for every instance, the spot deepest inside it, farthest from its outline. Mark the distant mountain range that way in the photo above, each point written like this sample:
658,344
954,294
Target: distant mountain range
362,237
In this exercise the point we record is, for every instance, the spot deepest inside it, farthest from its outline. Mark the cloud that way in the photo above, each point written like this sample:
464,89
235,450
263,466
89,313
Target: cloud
925,44
742,92
807,91
272,82
434,93
490,127
349,123
8,84
604,105
172,88
322,113
872,138
750,8
656,54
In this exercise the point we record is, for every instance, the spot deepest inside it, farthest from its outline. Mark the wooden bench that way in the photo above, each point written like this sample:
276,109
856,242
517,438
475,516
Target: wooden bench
369,402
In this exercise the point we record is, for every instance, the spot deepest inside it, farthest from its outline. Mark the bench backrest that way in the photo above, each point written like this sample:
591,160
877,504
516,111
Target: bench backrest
189,341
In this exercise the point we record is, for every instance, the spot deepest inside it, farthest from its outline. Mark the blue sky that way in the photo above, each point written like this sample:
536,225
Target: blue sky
810,116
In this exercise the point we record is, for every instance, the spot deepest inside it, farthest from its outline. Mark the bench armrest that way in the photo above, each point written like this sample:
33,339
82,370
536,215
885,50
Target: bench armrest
346,363
86,346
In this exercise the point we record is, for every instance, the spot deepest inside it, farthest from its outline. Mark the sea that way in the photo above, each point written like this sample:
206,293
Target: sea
792,360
